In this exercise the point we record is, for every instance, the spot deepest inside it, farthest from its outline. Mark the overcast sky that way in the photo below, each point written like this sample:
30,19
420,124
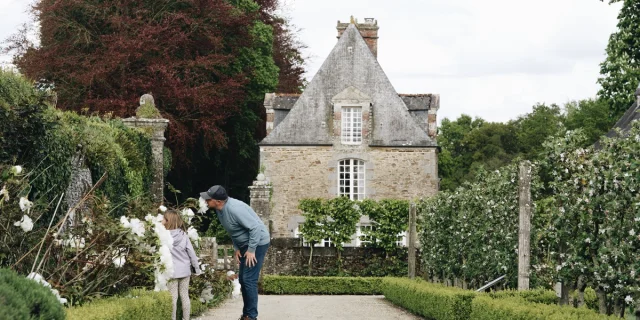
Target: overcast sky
493,58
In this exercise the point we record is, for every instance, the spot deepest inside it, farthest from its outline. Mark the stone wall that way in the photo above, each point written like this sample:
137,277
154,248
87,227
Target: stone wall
298,172
287,257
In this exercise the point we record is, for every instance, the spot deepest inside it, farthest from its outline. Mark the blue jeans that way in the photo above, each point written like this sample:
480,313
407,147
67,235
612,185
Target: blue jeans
248,277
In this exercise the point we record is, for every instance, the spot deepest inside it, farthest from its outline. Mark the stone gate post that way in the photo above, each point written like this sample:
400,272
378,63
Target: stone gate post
261,199
148,118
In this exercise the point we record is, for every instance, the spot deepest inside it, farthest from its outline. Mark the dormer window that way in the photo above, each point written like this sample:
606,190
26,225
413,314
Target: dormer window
351,125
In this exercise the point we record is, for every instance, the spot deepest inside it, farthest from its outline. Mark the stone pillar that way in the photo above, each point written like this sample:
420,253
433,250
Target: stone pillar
524,231
261,199
432,122
148,119
268,106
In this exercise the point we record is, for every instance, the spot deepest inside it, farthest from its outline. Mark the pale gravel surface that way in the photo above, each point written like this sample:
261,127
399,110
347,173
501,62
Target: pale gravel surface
278,307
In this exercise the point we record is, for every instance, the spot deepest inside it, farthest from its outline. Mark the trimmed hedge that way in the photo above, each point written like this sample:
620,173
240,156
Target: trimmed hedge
433,301
486,308
321,285
437,302
536,295
138,304
22,298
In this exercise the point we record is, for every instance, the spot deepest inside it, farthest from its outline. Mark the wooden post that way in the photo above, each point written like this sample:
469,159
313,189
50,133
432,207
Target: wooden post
215,254
412,241
524,234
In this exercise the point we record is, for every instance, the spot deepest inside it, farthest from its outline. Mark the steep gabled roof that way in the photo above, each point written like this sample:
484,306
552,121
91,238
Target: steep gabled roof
624,124
350,63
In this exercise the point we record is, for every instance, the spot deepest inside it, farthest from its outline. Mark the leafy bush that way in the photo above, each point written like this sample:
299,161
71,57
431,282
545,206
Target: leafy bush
485,308
321,285
138,304
22,298
536,295
429,300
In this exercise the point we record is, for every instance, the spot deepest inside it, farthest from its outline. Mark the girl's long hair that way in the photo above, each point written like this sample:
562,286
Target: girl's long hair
174,221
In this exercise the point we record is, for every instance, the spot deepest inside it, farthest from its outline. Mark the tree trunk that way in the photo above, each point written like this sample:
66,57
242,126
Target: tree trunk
602,300
564,294
580,287
339,261
310,259
618,309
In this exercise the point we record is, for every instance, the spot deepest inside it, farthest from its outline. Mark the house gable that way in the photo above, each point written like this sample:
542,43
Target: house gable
350,69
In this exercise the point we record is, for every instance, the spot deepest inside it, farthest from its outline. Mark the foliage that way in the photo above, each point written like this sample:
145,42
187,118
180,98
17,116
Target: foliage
432,301
472,233
321,285
591,116
535,127
539,295
389,218
208,64
137,304
22,298
485,308
620,71
44,140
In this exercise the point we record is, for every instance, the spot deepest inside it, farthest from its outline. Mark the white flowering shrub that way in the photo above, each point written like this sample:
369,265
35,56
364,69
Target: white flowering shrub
585,224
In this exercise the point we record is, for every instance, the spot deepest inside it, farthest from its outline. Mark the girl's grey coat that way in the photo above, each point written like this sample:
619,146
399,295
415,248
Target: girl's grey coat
183,255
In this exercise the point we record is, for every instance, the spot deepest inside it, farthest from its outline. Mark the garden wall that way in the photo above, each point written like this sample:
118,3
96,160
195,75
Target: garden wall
287,257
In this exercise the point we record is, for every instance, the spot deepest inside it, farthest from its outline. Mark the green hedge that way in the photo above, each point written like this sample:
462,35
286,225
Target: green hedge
321,285
432,301
486,308
437,302
536,295
138,304
22,298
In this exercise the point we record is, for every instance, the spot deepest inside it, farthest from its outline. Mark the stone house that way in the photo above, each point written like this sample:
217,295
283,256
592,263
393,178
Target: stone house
348,134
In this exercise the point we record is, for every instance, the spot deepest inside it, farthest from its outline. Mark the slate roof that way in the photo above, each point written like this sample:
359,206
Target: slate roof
414,102
624,124
350,63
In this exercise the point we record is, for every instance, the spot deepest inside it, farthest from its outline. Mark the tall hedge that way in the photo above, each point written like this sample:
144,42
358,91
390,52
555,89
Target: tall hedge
33,133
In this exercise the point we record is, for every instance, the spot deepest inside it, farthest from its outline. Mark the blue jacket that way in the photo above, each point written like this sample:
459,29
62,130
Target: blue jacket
243,225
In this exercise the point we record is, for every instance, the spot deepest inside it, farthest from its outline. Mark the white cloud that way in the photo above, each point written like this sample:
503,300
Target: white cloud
494,59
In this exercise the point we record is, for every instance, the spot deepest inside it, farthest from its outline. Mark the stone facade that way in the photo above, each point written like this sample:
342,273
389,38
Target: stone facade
312,172
387,148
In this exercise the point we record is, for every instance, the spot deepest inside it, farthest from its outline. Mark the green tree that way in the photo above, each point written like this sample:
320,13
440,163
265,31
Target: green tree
343,214
592,116
535,127
390,218
313,229
620,72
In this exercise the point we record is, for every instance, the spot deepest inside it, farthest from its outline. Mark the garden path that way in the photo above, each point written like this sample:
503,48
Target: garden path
289,307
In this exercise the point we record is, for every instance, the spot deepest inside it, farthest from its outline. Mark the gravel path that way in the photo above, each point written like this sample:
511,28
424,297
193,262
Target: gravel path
314,307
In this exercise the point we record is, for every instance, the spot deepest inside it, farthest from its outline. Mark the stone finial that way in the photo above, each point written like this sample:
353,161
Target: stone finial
147,108
353,20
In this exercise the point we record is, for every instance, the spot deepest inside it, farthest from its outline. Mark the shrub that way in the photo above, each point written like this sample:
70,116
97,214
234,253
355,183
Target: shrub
21,298
138,304
429,300
536,295
321,285
486,308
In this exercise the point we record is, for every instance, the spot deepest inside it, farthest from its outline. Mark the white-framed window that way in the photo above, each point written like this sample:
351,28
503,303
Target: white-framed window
363,239
402,239
351,179
351,125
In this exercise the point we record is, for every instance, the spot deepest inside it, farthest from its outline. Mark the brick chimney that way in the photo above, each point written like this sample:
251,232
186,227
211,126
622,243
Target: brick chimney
368,30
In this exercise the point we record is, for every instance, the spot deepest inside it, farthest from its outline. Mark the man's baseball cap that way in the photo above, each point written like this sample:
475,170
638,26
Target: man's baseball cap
216,193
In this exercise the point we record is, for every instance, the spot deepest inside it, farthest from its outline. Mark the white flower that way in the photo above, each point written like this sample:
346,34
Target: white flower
162,208
628,300
17,169
193,234
137,227
187,215
25,204
119,261
149,218
587,240
25,223
125,222
39,279
206,295
203,205
632,232
4,193
159,218
74,242
558,268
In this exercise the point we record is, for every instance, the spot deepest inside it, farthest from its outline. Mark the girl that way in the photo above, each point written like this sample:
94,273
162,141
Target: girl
183,258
